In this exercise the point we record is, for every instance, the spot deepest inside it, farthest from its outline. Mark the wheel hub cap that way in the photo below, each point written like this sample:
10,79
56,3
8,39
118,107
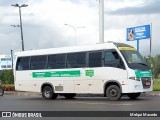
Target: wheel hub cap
113,93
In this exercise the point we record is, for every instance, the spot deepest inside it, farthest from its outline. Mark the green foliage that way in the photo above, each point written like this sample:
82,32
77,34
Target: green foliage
154,63
7,77
156,85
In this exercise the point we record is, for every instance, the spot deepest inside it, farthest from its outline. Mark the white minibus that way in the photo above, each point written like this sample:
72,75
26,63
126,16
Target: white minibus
112,69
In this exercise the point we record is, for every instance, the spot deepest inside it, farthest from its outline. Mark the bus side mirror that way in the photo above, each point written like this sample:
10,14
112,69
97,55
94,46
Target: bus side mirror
146,59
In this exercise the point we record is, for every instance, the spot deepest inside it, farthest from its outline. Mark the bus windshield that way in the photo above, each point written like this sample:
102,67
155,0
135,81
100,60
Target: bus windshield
134,60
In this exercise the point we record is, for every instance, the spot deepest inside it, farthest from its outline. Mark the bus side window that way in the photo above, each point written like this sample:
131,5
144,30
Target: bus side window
56,61
112,59
95,59
18,67
22,63
38,62
51,61
76,60
60,61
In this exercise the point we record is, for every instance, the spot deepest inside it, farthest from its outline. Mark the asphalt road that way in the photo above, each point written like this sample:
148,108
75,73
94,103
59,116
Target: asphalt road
37,103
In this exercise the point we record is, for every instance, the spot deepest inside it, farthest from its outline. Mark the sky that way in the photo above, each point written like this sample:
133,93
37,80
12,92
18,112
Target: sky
44,23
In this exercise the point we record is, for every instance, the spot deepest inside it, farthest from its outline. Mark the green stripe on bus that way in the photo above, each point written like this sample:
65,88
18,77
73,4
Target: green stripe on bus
143,73
75,73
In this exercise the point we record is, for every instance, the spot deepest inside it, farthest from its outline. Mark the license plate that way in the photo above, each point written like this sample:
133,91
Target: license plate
148,83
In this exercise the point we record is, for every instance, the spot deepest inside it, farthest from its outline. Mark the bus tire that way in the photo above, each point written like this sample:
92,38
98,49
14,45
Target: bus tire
69,95
133,96
113,93
48,93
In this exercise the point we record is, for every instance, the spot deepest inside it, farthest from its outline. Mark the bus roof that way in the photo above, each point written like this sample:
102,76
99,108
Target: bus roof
61,50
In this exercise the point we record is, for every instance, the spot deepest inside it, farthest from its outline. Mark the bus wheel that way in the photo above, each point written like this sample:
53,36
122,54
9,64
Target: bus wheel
48,94
69,95
133,96
113,93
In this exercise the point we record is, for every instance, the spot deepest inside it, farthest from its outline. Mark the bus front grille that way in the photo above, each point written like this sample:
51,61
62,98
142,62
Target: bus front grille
146,81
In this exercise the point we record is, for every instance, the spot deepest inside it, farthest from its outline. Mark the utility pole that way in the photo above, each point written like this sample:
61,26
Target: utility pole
101,21
24,5
12,58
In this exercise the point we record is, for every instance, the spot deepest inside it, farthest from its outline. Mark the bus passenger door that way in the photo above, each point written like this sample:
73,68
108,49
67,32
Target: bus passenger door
114,68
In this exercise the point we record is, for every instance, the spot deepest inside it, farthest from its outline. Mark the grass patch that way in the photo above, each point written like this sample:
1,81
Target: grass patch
10,85
156,85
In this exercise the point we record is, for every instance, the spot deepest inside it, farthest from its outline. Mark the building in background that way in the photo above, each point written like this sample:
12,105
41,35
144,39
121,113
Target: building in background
5,62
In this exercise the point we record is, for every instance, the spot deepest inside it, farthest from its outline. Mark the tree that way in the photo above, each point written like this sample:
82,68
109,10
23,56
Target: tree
7,77
154,64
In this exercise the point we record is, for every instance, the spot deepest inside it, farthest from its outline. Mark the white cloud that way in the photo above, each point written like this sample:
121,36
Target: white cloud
112,5
54,14
43,23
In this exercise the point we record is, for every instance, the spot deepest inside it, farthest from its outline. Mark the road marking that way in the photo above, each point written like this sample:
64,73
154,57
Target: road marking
121,104
100,103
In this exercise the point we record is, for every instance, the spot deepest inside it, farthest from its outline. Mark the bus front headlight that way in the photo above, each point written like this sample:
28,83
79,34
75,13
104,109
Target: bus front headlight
135,78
